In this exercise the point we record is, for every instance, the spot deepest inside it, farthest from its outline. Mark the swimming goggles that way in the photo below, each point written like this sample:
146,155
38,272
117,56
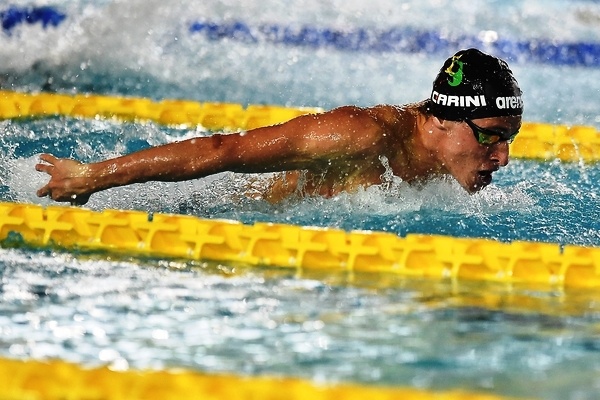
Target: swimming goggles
488,137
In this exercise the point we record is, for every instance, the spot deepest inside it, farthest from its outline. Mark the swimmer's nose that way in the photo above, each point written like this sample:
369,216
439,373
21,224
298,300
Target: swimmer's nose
500,153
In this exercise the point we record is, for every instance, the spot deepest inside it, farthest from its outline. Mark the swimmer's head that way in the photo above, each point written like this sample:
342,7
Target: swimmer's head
472,85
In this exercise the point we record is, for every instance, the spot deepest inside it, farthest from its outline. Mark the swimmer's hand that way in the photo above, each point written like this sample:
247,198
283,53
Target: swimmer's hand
69,180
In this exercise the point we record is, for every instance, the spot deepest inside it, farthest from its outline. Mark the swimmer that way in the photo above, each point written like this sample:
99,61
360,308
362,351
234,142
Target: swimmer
462,130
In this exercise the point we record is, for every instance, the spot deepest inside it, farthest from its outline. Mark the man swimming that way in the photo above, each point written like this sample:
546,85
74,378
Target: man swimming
462,130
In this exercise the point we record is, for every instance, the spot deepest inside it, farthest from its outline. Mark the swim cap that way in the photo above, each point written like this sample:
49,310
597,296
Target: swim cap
472,85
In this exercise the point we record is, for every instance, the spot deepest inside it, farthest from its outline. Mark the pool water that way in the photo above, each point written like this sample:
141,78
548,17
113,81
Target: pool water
375,329
550,202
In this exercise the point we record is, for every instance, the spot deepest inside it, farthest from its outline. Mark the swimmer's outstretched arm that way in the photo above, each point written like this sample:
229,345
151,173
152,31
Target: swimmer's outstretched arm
306,142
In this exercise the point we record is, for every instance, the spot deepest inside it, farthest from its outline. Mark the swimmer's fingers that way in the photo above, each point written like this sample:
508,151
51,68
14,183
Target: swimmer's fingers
61,195
43,191
63,173
46,163
49,158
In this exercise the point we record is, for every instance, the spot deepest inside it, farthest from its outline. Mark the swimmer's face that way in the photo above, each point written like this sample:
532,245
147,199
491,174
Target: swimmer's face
470,162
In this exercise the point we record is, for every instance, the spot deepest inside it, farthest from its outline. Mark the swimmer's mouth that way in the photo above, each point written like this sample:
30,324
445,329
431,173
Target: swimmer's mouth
485,177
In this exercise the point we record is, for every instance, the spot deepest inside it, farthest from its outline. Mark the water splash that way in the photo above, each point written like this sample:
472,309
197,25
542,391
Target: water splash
154,55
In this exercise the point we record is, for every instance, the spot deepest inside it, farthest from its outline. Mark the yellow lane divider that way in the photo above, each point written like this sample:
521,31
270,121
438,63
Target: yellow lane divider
56,380
212,116
300,247
538,141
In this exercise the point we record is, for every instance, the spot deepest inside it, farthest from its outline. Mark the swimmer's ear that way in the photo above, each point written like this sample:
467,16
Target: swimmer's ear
438,123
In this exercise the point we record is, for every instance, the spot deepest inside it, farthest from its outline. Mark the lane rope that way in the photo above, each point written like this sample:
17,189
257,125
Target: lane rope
400,40
54,380
539,141
354,39
13,16
301,248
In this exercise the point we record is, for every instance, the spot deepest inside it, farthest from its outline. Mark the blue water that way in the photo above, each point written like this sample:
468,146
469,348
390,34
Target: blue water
377,329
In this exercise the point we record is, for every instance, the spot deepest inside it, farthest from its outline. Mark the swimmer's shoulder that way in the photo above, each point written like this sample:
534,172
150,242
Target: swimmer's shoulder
394,112
399,120
396,117
385,112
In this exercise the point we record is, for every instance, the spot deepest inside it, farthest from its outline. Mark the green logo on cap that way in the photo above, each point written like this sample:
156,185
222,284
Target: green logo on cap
455,70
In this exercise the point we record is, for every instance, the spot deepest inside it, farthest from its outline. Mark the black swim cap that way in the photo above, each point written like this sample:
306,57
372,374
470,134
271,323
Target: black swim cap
472,85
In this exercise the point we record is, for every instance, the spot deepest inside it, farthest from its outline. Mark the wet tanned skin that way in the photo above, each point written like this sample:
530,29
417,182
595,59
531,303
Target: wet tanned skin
338,151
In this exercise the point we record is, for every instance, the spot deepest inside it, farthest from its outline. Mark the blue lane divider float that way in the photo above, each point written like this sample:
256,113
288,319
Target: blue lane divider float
401,39
395,39
14,16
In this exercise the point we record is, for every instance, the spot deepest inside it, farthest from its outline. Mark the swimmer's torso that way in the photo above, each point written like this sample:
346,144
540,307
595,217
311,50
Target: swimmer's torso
327,184
350,174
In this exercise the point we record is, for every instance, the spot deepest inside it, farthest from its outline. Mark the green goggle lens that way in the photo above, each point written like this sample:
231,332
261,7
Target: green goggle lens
488,137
